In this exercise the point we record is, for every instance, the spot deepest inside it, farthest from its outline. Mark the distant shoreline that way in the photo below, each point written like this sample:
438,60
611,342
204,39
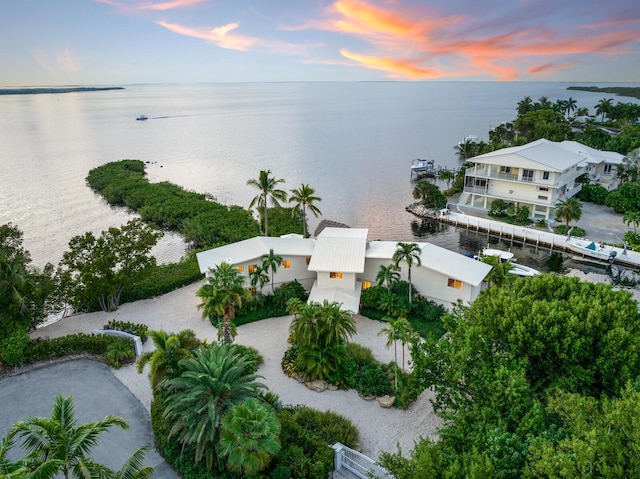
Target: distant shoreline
38,91
632,92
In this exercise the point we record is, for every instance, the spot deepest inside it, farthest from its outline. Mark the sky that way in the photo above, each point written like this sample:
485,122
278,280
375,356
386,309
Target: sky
103,42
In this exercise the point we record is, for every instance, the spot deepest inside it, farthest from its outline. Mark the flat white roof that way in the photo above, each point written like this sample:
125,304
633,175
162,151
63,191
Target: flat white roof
349,300
253,249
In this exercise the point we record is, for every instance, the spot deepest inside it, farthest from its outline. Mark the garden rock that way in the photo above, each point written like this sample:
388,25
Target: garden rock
386,401
318,385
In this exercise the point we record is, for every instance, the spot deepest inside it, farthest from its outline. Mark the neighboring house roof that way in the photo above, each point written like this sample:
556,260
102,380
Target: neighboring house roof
253,249
328,224
538,155
340,249
592,155
439,259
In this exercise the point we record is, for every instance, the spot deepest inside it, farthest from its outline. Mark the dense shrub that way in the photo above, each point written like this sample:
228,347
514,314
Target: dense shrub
596,193
288,291
140,330
633,240
575,230
254,357
94,344
12,348
373,381
626,198
257,309
162,279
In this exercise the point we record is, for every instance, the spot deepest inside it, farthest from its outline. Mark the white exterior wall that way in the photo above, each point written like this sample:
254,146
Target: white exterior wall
434,286
298,271
348,281
371,269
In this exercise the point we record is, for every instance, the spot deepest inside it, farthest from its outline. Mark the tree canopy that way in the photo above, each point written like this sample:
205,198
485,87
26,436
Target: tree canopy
507,356
95,270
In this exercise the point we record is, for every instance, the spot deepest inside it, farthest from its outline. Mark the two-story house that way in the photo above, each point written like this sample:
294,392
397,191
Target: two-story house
537,175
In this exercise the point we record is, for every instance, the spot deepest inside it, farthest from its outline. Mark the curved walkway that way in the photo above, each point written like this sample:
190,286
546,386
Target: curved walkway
380,429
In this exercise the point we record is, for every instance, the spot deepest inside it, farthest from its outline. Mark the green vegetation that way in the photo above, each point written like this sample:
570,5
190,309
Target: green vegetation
140,330
59,445
223,291
429,195
616,90
268,187
515,215
538,379
95,271
196,216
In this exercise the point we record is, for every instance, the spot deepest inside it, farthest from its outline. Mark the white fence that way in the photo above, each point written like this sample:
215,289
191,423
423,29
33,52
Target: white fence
358,464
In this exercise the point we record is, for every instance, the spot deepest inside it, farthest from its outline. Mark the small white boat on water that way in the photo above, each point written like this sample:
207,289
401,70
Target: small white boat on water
589,248
508,257
503,255
142,118
422,165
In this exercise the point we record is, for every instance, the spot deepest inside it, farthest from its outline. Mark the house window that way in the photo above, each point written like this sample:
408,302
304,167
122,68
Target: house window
527,175
334,274
544,198
545,175
454,283
252,290
481,182
542,188
505,169
240,268
366,284
607,168
286,263
253,268
308,260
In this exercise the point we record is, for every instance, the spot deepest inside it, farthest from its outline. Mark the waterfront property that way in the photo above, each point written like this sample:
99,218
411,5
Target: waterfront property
537,175
339,263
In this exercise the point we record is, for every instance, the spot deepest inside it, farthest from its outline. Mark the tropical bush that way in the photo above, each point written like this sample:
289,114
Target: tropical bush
140,330
164,278
594,192
73,344
373,381
12,348
564,230
626,198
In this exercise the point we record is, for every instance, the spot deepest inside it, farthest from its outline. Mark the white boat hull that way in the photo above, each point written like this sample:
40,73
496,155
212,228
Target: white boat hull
591,249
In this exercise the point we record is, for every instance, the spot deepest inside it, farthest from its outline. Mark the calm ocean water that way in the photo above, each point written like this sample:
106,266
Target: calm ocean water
352,142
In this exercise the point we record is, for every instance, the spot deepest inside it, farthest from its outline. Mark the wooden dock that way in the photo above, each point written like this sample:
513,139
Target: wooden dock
521,234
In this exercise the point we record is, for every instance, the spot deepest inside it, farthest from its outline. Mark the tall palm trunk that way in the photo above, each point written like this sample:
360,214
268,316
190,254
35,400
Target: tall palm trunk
266,217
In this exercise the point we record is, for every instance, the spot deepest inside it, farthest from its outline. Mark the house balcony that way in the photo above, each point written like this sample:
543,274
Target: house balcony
492,174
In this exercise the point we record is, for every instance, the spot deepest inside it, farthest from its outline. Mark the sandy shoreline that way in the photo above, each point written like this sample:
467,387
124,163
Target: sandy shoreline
380,429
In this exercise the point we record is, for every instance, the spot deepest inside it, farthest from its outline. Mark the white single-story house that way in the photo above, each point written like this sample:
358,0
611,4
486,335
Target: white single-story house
339,263
537,175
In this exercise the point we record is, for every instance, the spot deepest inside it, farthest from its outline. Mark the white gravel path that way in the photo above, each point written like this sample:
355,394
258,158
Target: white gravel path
380,429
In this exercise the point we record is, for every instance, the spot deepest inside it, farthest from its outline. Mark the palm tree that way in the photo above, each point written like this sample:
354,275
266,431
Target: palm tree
499,275
133,467
320,332
169,350
303,196
570,106
525,105
15,281
211,382
632,218
447,176
250,436
270,263
405,334
387,274
220,295
410,253
568,210
59,445
466,149
267,185
259,277
603,108
429,194
392,338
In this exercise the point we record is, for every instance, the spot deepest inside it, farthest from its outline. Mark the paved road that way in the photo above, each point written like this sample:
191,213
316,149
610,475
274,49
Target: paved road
96,393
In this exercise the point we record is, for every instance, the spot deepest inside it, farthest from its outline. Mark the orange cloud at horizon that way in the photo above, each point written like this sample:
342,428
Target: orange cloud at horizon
395,67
